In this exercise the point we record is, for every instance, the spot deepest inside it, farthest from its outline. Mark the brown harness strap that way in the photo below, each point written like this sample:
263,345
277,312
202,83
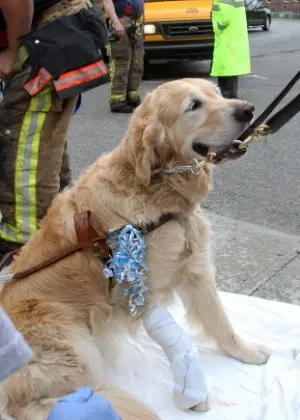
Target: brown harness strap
152,226
83,230
87,238
69,251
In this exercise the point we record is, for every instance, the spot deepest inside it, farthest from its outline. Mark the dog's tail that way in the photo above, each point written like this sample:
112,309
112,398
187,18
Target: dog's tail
126,405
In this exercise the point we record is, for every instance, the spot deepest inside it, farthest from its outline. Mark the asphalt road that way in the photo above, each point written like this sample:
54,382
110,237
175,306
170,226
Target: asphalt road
263,188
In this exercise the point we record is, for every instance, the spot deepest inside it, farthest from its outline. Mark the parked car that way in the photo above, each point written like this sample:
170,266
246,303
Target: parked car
258,15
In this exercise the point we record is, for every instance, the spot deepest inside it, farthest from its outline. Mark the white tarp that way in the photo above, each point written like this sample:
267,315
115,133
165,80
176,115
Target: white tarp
239,391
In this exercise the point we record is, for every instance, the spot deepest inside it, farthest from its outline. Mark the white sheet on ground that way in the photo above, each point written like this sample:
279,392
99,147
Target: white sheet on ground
239,391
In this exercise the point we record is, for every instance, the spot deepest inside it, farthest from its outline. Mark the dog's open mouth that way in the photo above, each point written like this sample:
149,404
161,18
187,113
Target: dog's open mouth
226,151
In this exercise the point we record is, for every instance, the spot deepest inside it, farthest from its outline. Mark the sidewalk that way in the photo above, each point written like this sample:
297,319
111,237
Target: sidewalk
256,261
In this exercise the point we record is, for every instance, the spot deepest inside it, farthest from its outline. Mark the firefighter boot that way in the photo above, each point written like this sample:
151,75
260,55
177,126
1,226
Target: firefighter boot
134,102
133,99
122,108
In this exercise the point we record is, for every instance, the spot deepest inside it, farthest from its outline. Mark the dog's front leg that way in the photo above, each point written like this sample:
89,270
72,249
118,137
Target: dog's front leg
203,305
190,386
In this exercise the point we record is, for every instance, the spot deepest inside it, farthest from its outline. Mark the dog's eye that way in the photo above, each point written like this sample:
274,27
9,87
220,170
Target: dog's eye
195,104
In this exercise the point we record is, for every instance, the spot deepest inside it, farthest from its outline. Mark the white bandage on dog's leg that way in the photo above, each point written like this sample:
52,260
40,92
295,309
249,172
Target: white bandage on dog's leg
190,385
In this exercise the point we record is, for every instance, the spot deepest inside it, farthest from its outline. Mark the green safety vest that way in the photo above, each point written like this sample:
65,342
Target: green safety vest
231,50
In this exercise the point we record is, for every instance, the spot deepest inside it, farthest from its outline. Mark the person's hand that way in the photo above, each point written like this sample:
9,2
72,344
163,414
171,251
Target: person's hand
119,29
83,405
6,63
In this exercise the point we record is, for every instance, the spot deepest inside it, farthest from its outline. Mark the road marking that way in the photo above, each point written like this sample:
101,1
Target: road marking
274,57
255,76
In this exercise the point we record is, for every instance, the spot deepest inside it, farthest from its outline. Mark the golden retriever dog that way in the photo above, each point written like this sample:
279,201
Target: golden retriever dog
66,311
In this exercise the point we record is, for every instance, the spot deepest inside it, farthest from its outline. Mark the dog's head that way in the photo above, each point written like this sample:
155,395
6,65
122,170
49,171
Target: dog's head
185,119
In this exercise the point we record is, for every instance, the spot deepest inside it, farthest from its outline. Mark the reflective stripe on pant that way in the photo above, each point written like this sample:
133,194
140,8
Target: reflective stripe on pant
33,155
126,66
32,147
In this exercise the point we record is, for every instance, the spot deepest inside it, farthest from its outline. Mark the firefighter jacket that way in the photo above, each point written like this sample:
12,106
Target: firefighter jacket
68,53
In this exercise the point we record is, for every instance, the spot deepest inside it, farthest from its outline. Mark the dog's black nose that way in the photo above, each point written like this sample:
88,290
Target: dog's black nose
244,113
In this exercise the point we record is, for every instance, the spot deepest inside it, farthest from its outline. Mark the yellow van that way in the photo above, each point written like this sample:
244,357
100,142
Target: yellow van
178,30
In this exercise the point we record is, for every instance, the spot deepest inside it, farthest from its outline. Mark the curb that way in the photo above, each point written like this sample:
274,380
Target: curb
285,15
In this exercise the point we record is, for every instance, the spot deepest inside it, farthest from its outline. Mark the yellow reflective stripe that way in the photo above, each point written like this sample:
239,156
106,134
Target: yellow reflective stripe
7,231
6,234
134,94
111,67
27,163
26,170
10,229
112,72
18,173
21,57
118,97
34,163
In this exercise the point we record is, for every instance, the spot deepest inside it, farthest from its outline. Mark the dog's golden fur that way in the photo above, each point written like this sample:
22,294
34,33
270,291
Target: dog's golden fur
65,311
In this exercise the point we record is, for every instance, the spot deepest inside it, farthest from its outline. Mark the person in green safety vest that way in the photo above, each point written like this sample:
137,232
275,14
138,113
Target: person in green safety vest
231,57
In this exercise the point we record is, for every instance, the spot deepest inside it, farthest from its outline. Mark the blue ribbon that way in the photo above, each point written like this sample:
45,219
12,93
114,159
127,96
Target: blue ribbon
127,266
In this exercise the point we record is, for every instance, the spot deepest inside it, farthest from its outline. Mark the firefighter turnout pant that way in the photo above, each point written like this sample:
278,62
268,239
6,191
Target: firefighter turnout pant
126,62
33,150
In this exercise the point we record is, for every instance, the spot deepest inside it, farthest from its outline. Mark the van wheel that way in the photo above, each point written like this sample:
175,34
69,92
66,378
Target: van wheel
267,24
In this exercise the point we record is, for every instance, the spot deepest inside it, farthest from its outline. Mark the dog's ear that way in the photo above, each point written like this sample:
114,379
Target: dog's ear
148,155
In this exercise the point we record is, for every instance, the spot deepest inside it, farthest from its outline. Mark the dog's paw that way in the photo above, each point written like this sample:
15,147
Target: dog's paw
251,353
203,406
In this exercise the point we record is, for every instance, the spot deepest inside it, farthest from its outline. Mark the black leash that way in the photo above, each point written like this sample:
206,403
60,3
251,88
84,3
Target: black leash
278,120
259,128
